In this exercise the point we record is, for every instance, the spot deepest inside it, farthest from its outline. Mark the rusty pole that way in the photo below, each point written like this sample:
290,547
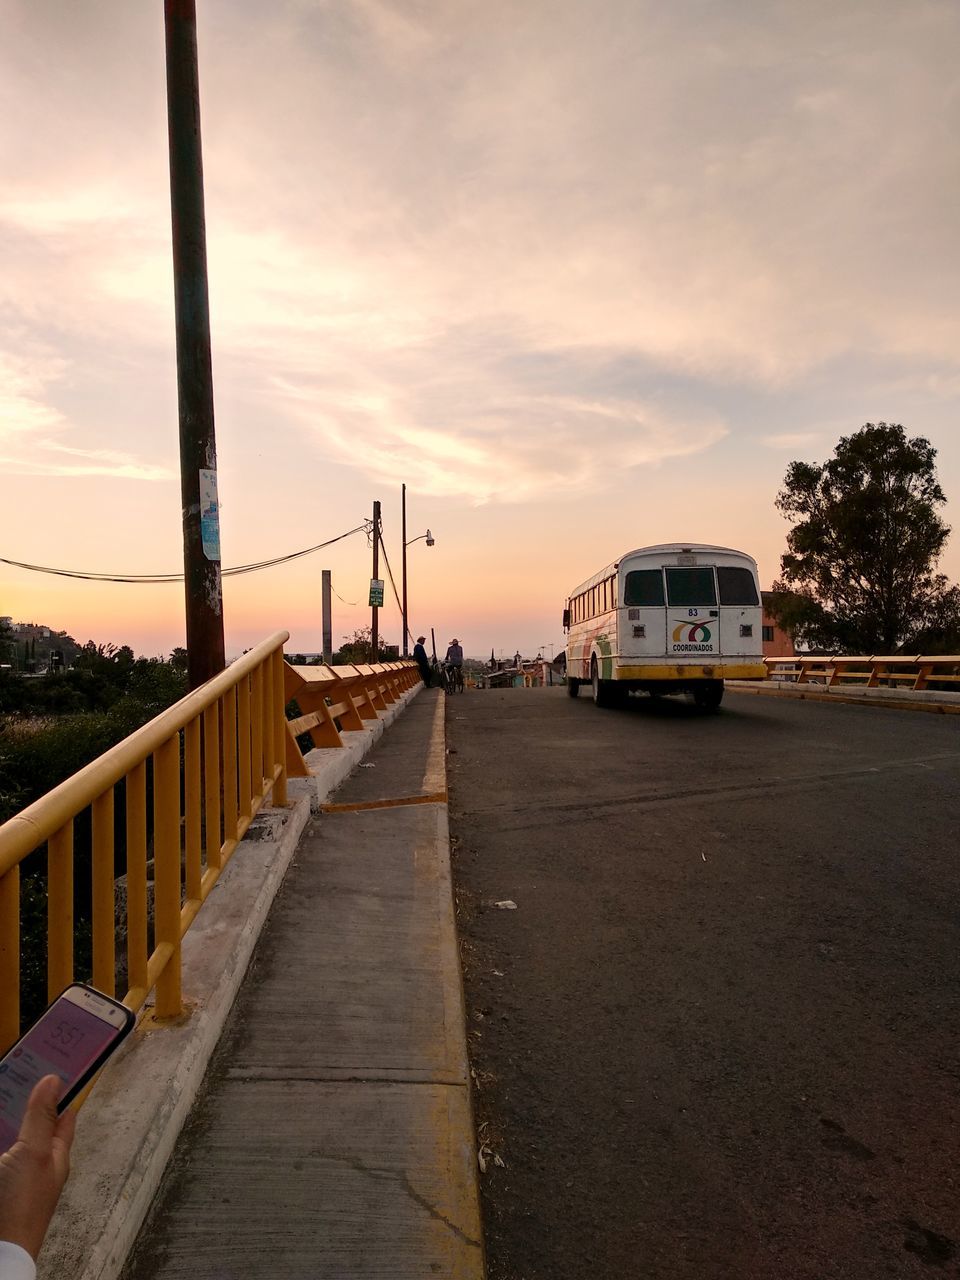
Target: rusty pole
198,449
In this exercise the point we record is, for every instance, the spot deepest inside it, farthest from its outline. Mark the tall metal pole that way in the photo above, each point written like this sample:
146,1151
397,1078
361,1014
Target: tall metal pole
198,451
374,622
327,615
403,536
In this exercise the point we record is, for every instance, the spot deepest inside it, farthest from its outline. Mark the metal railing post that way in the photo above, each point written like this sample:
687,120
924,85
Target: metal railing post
166,787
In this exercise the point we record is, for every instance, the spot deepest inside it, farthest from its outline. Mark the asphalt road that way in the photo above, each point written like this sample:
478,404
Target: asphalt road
718,1035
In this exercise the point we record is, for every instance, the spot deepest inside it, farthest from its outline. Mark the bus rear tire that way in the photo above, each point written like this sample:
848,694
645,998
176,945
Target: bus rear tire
603,694
573,687
708,695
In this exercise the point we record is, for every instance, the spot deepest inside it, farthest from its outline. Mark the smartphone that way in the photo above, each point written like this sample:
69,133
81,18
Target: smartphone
72,1039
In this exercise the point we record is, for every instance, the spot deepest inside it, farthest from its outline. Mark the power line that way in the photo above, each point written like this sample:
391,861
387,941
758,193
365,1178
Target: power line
386,560
153,578
353,604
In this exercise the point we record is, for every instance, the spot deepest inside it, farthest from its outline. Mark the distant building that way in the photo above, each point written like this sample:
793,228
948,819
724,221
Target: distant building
777,643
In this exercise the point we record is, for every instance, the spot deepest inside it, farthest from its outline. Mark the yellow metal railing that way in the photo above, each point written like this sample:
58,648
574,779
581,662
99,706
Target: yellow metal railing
202,769
871,672
339,699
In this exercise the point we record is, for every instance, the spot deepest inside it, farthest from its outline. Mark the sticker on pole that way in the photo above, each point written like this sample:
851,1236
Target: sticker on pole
209,515
376,593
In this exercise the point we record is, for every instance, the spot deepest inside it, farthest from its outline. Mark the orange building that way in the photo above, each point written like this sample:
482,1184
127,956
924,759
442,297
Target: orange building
777,643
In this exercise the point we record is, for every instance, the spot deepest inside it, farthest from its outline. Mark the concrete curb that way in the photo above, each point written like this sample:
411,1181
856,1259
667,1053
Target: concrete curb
129,1126
935,701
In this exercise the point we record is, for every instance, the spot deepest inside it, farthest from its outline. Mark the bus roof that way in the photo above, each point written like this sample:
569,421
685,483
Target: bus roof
662,549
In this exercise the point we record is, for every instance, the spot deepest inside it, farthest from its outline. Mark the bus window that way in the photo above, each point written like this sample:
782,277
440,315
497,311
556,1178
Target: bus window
644,587
736,585
691,586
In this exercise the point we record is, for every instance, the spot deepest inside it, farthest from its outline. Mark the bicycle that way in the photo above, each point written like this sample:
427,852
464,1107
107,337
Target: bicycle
452,677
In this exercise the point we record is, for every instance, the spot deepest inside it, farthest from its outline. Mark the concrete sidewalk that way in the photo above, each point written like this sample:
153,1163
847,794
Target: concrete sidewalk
333,1137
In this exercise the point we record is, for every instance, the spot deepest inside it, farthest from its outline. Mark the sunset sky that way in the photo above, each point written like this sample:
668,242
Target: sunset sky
585,274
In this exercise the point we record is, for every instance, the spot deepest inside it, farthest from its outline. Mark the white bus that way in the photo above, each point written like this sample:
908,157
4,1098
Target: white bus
668,619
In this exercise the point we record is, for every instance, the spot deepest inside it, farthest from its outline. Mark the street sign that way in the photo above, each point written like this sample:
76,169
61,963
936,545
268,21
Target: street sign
376,593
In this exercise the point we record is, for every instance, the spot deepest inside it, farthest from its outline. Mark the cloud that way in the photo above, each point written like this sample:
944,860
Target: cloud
29,423
413,209
512,447
793,440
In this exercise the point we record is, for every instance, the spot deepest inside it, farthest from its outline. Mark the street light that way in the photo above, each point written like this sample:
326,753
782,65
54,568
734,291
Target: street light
429,539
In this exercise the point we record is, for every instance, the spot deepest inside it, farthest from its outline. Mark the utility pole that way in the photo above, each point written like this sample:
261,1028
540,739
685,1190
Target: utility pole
403,543
327,617
198,450
374,621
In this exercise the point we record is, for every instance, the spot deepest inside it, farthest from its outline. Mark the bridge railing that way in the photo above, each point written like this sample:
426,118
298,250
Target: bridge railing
180,793
869,672
338,699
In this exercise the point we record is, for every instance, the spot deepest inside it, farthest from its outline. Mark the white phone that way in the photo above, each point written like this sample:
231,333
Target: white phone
71,1039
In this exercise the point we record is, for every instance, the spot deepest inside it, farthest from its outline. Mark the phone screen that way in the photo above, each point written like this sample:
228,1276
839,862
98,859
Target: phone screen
66,1041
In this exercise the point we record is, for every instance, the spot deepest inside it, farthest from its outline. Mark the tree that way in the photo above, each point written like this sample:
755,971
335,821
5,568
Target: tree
859,575
178,659
359,648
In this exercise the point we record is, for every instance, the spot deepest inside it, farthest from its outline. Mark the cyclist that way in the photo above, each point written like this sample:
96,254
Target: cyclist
454,662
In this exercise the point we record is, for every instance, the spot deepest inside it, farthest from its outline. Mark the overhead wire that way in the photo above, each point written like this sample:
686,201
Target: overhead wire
386,559
351,604
154,578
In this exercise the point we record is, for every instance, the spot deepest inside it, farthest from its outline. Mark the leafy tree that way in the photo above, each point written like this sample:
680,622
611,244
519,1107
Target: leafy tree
359,648
859,573
178,659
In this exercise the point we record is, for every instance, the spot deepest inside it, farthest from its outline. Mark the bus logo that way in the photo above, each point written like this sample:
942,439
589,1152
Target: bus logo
692,637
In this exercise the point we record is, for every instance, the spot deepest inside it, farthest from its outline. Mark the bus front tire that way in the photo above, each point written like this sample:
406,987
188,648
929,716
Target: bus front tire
573,687
708,695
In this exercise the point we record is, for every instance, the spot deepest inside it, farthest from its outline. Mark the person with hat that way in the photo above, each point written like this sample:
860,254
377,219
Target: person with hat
454,662
421,659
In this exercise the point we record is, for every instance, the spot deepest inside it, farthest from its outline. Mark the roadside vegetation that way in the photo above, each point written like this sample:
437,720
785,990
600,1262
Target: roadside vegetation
51,726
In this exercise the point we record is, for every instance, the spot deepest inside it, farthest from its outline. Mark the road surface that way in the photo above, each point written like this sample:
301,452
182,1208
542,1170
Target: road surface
717,1037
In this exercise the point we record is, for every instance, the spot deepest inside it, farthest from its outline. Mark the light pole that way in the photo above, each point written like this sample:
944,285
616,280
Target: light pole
429,538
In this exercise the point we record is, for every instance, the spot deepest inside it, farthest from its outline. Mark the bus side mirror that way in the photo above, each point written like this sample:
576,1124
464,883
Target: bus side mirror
566,619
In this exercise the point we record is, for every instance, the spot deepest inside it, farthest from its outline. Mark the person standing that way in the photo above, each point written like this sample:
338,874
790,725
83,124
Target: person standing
420,658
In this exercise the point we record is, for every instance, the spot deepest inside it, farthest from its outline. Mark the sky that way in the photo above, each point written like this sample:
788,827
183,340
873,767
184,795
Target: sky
584,276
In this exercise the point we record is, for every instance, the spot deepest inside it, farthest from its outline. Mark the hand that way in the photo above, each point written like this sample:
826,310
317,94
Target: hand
33,1171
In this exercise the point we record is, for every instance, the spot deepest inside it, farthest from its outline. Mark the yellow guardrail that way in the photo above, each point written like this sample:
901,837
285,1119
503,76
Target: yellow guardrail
209,763
870,672
336,700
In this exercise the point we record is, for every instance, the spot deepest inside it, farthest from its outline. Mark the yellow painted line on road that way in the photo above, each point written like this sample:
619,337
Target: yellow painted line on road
437,797
435,774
